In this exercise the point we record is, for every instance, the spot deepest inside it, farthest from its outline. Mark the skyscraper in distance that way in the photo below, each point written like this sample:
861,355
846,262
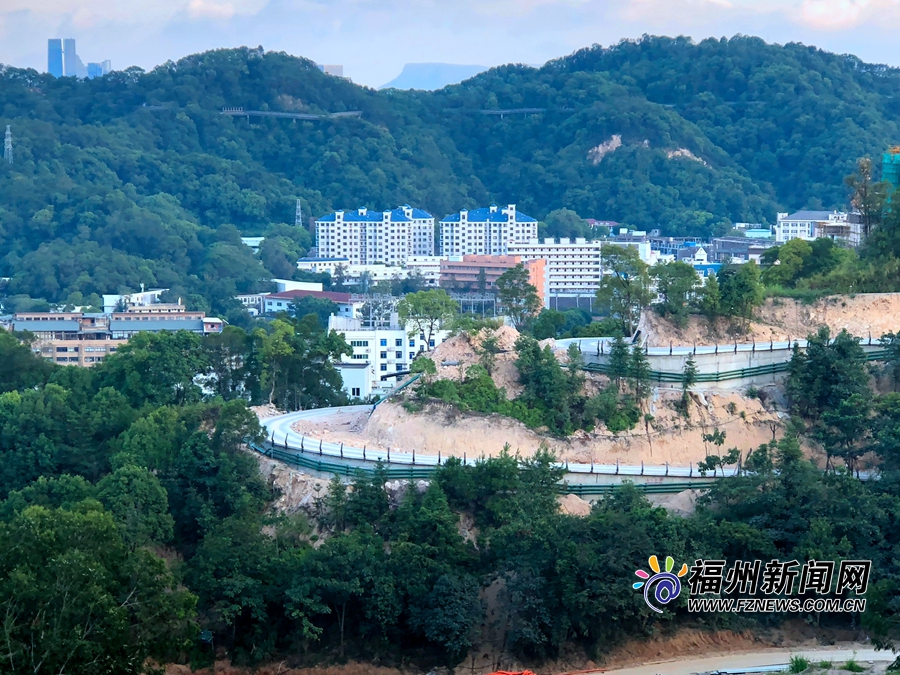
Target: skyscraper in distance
55,57
70,58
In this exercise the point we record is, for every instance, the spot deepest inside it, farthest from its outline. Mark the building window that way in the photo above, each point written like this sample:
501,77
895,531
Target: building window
383,366
431,343
384,355
383,342
398,355
359,343
412,356
401,366
355,392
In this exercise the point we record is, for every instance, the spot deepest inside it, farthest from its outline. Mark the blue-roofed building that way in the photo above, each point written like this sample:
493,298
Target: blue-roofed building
487,231
367,237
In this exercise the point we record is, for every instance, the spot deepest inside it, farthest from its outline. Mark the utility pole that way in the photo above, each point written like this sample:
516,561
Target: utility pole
7,146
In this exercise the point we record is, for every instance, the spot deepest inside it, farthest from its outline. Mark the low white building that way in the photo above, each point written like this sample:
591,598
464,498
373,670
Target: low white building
383,351
428,266
351,271
273,303
811,225
487,231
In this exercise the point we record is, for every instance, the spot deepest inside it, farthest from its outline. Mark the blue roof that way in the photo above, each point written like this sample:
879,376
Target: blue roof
46,326
194,325
396,215
487,215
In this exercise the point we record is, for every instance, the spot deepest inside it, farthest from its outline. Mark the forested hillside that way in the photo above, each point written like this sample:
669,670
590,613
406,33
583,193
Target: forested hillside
137,177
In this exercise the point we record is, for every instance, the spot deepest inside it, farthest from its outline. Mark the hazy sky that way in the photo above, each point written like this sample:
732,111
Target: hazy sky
374,38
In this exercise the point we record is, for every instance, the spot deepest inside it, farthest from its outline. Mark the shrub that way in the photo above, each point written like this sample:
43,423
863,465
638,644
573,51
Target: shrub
798,664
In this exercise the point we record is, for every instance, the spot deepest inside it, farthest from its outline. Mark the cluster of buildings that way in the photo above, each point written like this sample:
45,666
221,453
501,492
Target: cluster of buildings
87,338
63,61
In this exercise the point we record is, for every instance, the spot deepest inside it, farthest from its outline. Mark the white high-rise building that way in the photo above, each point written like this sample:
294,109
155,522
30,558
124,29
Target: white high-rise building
574,266
366,237
488,231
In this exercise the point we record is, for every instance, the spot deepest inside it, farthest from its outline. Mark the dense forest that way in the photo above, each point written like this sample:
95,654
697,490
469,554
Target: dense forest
136,177
136,529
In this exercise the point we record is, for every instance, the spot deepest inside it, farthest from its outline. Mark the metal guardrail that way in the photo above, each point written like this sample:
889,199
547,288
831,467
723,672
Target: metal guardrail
410,472
725,375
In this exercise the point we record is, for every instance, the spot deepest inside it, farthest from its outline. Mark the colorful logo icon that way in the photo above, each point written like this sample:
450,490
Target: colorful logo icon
660,587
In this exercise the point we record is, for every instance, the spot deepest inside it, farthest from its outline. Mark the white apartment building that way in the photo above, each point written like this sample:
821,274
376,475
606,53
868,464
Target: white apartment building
377,353
366,237
487,231
810,225
573,267
428,266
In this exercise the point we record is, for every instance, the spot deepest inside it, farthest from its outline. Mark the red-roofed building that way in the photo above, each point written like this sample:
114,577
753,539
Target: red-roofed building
281,302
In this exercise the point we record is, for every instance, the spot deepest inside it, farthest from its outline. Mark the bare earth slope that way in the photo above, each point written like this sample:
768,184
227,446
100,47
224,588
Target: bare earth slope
782,319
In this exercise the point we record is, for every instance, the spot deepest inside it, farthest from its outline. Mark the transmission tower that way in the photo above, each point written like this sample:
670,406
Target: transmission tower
7,146
298,218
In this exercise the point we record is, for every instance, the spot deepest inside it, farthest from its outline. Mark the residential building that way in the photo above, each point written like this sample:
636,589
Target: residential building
573,266
282,285
427,266
281,302
472,271
810,225
487,231
738,249
692,255
55,57
119,302
352,273
758,233
84,339
368,237
253,243
378,354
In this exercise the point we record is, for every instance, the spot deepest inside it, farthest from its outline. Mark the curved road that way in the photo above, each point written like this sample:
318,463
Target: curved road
862,653
282,435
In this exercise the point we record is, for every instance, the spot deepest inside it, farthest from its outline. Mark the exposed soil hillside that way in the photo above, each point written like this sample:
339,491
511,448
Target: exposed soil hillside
782,319
668,438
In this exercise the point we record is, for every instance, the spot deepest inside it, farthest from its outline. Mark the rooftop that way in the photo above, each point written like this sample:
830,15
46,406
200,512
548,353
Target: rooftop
324,295
364,215
490,214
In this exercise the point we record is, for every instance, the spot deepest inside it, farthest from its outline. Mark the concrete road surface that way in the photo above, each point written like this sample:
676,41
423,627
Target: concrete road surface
688,665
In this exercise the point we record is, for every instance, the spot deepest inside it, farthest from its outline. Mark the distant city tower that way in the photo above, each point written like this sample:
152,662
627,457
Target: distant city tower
7,146
298,216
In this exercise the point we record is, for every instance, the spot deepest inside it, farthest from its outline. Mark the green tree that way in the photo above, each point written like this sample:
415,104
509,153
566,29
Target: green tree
139,504
77,599
741,290
424,312
675,283
710,299
624,290
518,297
639,374
789,264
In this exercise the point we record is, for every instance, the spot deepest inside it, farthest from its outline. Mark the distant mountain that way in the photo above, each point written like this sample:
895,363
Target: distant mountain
138,177
430,76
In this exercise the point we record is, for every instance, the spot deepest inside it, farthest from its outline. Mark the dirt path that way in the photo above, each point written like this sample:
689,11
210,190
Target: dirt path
687,666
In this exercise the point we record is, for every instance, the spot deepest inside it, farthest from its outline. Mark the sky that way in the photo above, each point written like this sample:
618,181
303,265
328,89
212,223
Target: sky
373,39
